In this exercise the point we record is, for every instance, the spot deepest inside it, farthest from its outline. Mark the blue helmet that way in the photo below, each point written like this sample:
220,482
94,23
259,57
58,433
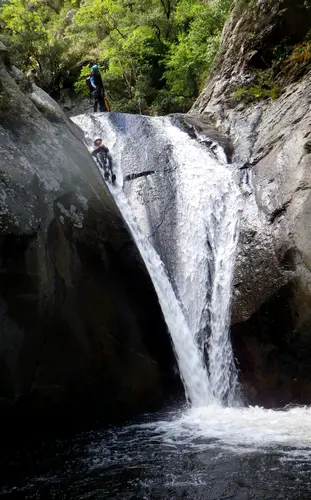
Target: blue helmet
95,67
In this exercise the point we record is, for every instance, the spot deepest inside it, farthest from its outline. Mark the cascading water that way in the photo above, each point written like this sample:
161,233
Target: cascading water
190,362
206,208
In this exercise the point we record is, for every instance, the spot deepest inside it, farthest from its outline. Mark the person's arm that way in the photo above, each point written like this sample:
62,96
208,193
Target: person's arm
92,80
96,151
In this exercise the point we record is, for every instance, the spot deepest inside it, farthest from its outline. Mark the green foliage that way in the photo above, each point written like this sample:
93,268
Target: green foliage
191,57
79,85
154,54
35,36
300,55
263,88
254,93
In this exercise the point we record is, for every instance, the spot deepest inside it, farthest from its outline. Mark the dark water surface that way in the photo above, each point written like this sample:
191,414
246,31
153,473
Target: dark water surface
143,461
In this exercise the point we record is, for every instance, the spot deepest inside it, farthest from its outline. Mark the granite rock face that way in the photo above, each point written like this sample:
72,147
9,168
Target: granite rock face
272,288
81,330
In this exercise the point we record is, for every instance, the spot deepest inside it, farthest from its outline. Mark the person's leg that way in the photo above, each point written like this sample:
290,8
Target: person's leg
106,173
102,105
113,176
95,105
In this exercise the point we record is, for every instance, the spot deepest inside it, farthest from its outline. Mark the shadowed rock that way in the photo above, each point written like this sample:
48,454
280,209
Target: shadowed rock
81,330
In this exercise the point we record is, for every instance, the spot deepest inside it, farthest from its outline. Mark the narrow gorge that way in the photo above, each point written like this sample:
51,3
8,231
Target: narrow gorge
155,334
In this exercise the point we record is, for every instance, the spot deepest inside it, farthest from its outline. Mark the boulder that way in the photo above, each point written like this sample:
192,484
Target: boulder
74,105
81,330
201,127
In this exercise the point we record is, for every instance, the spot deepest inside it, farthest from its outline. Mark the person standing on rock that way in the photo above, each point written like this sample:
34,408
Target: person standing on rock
96,86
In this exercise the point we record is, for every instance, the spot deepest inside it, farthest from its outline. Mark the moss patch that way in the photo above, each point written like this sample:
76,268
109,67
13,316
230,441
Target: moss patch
263,87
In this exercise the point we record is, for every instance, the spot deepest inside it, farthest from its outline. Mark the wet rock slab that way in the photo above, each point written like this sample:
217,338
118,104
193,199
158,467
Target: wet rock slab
79,318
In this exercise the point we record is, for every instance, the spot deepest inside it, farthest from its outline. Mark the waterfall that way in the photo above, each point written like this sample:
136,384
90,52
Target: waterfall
208,206
191,366
194,285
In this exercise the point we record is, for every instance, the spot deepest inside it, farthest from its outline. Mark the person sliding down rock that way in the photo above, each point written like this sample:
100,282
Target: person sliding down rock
103,158
96,86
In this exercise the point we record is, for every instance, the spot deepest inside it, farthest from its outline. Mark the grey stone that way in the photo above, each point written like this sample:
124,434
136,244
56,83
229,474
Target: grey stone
201,127
69,16
74,105
81,330
272,286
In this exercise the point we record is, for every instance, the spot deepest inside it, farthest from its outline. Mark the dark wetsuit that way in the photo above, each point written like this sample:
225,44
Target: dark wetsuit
103,157
98,92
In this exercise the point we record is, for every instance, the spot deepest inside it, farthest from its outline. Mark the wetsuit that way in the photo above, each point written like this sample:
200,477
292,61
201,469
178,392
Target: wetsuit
98,92
104,159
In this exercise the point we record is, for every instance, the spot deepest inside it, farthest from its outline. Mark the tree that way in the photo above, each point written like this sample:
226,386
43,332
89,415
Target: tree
154,54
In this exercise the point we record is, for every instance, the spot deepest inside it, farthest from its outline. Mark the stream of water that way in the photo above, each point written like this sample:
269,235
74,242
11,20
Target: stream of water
214,448
207,204
208,209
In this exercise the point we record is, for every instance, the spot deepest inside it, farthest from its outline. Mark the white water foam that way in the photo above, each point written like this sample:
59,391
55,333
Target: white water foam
208,208
190,363
240,430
